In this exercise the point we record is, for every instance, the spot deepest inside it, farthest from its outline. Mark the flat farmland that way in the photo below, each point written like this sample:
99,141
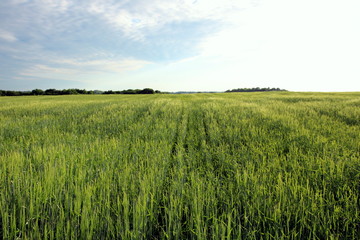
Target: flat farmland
278,165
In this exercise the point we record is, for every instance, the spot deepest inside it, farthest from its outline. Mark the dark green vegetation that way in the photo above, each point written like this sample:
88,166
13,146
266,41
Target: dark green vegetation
74,91
50,91
202,166
256,90
134,91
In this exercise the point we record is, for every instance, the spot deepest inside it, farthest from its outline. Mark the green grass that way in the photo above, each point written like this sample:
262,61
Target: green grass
202,166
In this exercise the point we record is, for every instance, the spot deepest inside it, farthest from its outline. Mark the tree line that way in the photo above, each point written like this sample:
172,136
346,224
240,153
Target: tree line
133,91
73,91
257,89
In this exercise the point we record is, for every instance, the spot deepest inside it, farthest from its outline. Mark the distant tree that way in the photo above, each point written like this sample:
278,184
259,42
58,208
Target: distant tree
81,91
67,92
37,92
72,91
147,91
257,89
12,93
128,91
52,91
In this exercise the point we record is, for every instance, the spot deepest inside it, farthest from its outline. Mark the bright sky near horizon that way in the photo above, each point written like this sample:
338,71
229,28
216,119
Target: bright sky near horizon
180,45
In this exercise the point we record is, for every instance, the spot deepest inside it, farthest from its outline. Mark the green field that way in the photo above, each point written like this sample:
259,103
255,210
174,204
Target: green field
199,166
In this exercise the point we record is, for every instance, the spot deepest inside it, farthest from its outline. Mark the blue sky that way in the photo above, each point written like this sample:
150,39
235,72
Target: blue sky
180,45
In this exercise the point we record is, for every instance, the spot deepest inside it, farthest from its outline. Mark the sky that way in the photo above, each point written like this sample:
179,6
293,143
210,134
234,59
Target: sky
180,45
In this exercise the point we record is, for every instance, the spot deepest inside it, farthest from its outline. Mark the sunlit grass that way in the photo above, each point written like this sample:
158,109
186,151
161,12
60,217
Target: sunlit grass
203,166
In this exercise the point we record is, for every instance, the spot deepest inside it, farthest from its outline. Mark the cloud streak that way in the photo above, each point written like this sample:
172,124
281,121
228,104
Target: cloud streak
74,70
138,18
7,36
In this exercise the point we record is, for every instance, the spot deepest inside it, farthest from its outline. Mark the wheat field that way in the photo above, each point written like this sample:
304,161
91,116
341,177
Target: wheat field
278,165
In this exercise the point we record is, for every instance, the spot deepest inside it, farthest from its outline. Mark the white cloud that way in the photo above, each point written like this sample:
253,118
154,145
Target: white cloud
300,45
114,66
284,24
138,18
82,71
19,1
44,71
54,5
7,36
47,5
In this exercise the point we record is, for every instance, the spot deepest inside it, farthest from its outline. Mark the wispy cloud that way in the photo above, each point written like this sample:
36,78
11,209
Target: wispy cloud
140,17
74,70
7,36
55,5
44,71
104,65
